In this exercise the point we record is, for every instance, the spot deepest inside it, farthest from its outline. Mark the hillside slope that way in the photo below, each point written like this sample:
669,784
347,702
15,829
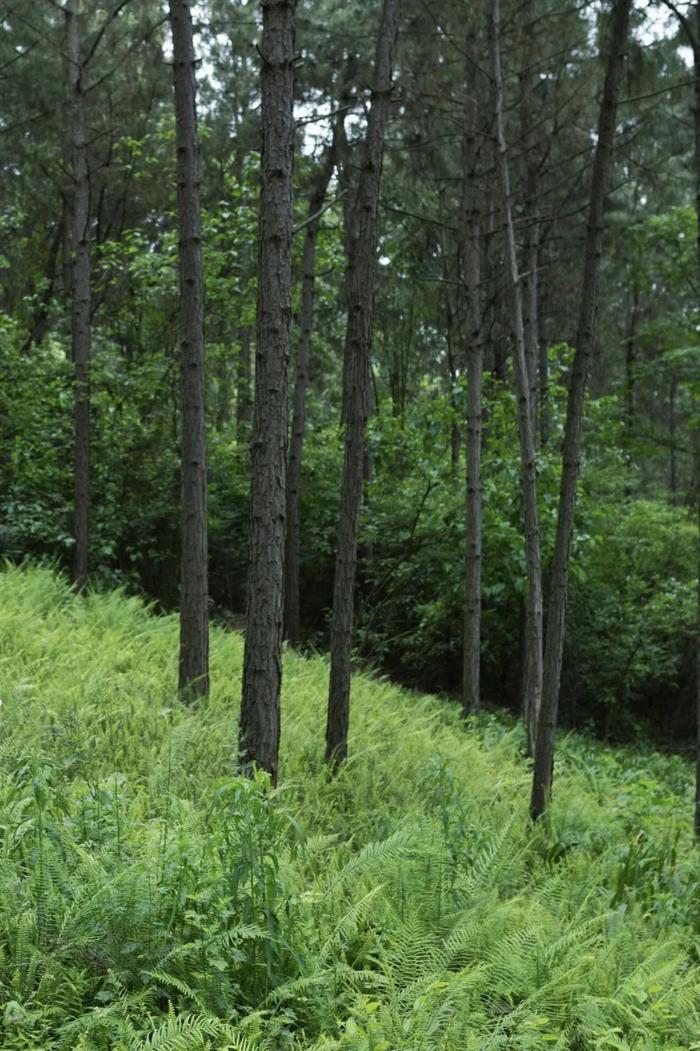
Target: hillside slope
150,898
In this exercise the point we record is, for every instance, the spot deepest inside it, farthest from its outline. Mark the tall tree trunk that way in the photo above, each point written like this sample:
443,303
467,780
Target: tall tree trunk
244,376
471,219
526,427
361,266
262,664
292,618
194,590
585,332
695,41
80,284
530,178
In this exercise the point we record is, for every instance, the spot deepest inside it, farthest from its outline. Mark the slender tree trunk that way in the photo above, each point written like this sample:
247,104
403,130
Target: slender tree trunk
292,619
262,665
194,589
546,729
695,41
80,283
244,377
543,391
471,218
530,207
361,266
526,428
531,677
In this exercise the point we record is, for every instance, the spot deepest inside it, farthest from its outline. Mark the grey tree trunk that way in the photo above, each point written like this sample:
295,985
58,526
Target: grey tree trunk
526,427
361,265
546,728
471,221
292,618
530,179
262,663
695,42
80,286
244,377
194,589
530,301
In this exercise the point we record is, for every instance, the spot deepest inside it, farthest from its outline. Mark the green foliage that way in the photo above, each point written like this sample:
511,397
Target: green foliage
151,898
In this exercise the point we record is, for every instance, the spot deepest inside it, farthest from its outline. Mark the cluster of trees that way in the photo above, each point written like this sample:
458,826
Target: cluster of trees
434,187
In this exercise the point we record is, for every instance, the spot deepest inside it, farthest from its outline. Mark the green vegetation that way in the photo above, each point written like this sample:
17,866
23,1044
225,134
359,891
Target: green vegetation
150,898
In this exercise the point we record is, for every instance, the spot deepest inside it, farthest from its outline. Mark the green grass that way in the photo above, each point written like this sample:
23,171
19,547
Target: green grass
150,898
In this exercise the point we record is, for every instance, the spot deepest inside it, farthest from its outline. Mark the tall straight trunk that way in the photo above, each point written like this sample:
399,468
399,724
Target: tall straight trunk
360,277
471,219
194,589
546,729
530,179
526,427
530,677
292,618
543,390
80,284
262,663
691,25
244,377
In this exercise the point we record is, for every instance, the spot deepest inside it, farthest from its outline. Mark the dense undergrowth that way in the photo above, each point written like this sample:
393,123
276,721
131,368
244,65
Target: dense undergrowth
150,898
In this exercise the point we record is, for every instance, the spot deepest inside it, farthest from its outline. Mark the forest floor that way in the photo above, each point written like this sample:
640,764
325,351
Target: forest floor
151,898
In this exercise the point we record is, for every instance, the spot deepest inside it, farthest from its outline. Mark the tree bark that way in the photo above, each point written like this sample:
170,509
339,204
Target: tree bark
80,284
471,219
526,427
194,589
292,617
546,728
244,402
693,31
530,179
262,664
360,277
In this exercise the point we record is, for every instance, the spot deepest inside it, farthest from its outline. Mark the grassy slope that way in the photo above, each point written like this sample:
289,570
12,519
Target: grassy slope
149,898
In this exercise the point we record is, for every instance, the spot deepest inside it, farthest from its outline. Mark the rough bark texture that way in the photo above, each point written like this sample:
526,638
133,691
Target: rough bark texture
471,220
262,665
80,282
194,593
526,426
361,265
292,618
546,729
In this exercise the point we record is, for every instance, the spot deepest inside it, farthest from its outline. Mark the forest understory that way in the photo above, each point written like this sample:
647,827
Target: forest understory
151,898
